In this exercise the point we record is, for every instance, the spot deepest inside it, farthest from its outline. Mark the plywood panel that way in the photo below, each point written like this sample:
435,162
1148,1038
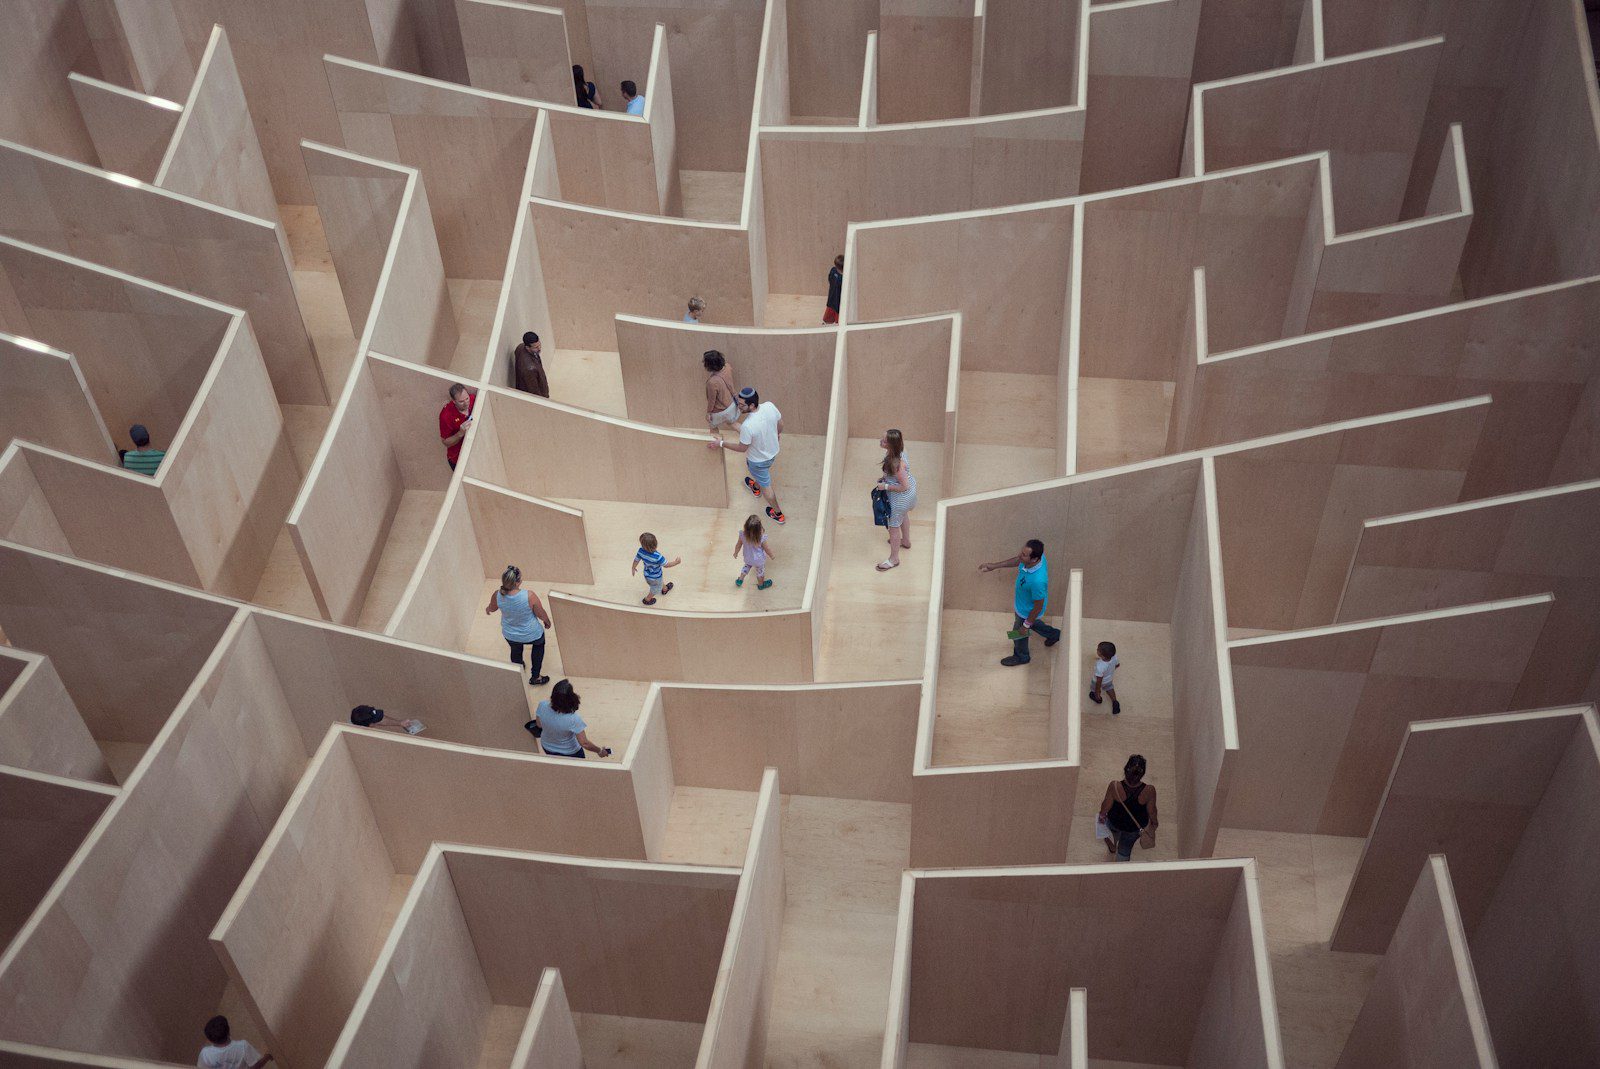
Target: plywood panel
583,455
816,181
1322,713
992,815
214,154
549,1038
824,55
45,40
901,376
643,940
25,514
414,319
53,407
516,48
1029,55
359,200
441,601
831,740
925,59
513,527
170,239
1238,1022
597,264
1424,1008
40,729
1518,544
1245,36
43,818
663,379
130,130
139,42
1172,917
1140,60
737,1022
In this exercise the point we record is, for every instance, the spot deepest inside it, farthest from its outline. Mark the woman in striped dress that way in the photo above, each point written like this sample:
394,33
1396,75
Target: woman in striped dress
902,487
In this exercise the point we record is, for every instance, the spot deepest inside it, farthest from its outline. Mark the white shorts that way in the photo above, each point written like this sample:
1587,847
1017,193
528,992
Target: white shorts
729,415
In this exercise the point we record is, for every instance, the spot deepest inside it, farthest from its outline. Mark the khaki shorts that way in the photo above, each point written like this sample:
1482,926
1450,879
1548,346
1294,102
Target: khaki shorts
729,415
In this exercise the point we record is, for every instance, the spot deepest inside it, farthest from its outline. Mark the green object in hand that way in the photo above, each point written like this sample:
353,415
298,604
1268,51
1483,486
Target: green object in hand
1018,633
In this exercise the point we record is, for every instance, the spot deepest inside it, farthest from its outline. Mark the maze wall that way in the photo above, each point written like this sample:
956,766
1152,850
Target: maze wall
1277,323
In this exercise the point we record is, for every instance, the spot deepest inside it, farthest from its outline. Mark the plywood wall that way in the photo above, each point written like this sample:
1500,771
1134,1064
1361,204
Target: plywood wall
358,201
512,527
130,130
550,1037
40,729
1141,56
1029,55
43,819
516,48
53,407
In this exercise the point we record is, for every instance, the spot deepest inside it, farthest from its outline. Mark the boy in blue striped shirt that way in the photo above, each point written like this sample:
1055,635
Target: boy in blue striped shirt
653,561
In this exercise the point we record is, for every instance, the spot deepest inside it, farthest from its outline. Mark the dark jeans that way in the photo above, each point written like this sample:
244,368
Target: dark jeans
536,650
551,753
1125,841
1019,646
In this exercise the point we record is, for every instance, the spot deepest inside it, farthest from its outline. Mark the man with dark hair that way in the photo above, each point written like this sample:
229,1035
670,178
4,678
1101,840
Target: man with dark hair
455,418
720,405
141,459
635,99
1033,590
529,367
224,1052
758,441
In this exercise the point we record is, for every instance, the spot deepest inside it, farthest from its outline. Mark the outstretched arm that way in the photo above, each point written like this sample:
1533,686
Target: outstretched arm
1009,562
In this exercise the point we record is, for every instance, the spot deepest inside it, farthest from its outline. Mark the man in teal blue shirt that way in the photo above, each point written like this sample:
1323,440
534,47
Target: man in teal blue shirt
1033,590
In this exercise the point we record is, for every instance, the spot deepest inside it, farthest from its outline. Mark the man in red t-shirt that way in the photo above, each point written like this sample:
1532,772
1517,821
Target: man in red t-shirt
454,420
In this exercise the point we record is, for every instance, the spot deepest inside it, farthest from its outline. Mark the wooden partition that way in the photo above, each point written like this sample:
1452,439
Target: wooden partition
130,131
663,380
1289,506
1370,117
1324,709
1030,55
550,1038
1484,792
1066,677
45,818
356,825
1006,271
359,202
1205,725
552,450
162,634
214,154
157,868
53,405
515,527
906,375
1203,994
1518,544
1423,1007
926,59
1536,432
40,728
141,350
736,1022
214,252
516,48
1140,59
383,441
817,180
33,1056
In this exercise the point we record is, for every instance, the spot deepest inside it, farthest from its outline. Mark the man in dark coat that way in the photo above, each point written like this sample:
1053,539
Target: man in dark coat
529,367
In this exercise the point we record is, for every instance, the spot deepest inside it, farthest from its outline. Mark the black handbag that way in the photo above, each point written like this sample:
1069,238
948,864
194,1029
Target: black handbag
880,506
535,728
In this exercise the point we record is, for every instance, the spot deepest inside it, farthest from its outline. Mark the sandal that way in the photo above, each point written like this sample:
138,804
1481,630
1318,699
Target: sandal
885,565
666,590
648,601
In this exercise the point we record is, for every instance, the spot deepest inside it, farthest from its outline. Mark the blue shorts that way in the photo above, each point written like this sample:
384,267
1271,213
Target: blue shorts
761,472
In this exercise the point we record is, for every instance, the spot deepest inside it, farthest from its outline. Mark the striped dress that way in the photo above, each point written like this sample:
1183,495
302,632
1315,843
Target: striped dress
902,501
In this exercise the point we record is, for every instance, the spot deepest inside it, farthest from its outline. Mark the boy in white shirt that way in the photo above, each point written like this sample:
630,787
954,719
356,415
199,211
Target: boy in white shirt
225,1053
1105,670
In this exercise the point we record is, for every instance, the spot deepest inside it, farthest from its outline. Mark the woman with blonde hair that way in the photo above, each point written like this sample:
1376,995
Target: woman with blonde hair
523,621
901,486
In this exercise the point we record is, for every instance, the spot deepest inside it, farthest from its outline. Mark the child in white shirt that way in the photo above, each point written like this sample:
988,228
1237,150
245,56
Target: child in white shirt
1105,670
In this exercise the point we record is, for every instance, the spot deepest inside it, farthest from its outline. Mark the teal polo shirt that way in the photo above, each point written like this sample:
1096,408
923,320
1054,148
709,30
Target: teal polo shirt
1033,584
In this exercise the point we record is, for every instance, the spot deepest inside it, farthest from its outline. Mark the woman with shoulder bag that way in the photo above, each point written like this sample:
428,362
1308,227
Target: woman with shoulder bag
1129,809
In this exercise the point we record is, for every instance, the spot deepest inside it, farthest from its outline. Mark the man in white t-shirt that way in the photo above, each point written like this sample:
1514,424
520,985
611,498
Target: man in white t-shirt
758,441
1105,671
225,1052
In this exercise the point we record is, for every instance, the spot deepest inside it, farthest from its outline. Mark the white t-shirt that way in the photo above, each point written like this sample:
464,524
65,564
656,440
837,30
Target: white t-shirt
236,1055
1105,670
759,431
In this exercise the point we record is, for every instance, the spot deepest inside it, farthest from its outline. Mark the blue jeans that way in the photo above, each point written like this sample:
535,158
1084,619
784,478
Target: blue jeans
1019,647
1125,841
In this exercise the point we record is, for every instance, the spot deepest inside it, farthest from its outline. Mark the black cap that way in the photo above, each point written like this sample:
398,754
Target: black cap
365,716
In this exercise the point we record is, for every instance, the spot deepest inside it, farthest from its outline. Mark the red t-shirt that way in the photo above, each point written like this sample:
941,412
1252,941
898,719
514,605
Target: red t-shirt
450,421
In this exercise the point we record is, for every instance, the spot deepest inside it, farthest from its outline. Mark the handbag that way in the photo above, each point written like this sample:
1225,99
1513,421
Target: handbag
535,728
880,506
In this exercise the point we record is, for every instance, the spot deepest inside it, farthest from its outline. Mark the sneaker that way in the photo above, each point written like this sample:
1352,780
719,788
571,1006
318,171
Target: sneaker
1014,660
1116,707
755,487
763,584
1096,698
774,515
1051,641
739,581
539,681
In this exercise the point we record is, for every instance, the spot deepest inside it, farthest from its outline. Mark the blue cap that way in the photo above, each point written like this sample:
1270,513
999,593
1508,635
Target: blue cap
138,433
747,393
